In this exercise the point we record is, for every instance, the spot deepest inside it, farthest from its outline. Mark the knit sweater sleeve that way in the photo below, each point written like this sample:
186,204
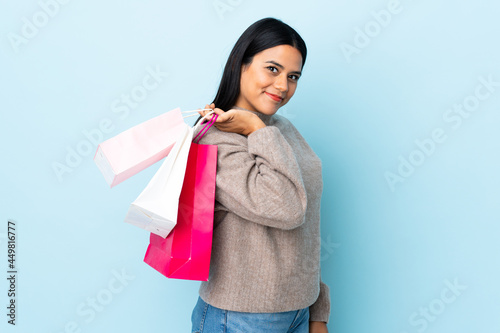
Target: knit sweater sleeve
258,178
320,310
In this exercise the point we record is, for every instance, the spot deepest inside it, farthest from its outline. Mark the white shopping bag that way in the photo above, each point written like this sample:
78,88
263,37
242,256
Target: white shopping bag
155,209
142,145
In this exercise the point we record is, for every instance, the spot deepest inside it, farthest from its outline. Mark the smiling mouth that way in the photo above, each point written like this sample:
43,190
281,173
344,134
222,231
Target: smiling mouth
274,97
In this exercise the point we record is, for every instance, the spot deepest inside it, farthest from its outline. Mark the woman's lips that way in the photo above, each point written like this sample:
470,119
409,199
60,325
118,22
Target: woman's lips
274,97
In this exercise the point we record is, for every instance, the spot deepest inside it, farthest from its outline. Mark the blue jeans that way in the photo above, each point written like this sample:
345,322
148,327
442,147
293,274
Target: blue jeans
209,319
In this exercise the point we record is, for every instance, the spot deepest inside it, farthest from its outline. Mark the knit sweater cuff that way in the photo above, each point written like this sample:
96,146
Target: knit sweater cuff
320,310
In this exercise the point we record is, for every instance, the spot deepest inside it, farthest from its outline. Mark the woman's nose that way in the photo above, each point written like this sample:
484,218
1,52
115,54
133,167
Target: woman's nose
281,83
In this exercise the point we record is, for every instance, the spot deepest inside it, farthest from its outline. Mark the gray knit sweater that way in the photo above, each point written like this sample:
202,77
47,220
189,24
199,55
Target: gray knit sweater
266,238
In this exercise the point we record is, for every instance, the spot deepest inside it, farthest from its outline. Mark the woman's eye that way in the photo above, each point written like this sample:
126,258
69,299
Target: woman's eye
294,77
272,69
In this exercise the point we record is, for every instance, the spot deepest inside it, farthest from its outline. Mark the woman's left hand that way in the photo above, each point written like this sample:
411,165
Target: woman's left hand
317,327
235,121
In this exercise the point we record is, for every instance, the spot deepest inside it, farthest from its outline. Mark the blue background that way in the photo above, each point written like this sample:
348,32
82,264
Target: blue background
390,252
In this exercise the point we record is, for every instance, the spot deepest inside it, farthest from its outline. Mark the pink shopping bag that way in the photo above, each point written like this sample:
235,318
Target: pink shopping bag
185,252
137,148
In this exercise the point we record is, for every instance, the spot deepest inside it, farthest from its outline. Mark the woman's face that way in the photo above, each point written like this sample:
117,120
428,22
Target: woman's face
270,80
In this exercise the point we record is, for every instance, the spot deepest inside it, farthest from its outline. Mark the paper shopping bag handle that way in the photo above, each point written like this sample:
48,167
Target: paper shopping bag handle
207,125
203,118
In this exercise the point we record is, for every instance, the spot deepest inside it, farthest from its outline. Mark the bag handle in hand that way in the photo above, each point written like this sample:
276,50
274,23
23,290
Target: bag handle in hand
207,125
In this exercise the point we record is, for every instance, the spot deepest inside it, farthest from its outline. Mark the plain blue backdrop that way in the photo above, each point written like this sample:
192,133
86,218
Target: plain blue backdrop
400,100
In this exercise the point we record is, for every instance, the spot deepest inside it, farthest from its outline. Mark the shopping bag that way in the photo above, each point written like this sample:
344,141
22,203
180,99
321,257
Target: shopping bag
155,209
185,252
135,149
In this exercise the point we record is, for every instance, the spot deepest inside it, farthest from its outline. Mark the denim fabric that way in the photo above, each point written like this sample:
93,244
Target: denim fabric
209,319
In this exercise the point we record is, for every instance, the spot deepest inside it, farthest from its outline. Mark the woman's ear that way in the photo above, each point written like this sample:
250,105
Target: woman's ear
244,67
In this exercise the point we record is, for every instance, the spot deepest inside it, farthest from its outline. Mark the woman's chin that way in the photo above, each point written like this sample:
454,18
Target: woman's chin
269,109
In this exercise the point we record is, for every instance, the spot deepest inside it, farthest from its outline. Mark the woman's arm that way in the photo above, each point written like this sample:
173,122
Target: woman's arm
317,327
320,310
235,121
258,177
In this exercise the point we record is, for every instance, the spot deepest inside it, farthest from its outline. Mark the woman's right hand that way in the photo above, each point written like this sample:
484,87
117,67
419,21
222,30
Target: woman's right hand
235,121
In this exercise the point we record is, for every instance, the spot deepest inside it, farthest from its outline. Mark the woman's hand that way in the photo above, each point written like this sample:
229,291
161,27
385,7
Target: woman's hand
236,121
317,327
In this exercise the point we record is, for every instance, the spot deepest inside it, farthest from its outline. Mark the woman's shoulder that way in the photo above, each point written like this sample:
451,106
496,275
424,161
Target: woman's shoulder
284,124
281,120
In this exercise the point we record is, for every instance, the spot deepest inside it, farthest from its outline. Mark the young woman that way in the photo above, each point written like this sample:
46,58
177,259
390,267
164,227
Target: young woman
264,270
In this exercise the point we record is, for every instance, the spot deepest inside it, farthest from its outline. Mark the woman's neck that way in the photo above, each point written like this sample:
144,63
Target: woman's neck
264,117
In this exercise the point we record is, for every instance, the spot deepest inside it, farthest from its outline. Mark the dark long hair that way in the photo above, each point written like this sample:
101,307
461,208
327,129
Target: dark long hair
261,35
